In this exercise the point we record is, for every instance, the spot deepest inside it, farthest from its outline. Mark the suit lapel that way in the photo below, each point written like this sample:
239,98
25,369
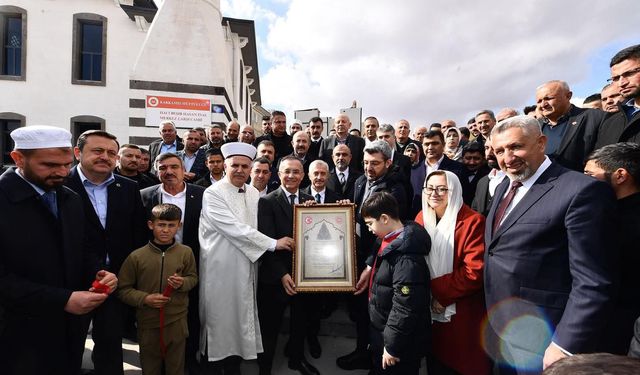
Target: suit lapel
282,200
574,123
113,193
189,207
497,197
90,212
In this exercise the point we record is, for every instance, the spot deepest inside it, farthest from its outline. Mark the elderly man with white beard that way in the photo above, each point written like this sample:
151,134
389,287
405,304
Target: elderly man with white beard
230,246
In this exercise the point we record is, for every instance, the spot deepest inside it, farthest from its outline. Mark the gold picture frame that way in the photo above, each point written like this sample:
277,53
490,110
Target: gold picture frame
324,257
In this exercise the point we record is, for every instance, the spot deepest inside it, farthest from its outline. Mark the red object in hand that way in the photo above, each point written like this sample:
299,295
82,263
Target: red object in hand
98,287
167,291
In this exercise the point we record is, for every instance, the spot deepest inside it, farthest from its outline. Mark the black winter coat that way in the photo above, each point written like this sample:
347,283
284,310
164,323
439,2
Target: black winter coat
399,300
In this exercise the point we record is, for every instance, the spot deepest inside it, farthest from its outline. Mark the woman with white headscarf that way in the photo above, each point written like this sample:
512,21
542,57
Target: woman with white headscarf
452,148
455,263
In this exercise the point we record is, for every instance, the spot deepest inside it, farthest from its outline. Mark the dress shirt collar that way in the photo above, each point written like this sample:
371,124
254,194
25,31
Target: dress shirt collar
436,166
314,192
179,195
87,182
526,184
287,194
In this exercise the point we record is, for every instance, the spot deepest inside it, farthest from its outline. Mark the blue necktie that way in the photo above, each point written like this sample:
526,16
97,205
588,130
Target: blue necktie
49,198
318,200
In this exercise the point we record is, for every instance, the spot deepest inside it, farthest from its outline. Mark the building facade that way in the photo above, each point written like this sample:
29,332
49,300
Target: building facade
106,64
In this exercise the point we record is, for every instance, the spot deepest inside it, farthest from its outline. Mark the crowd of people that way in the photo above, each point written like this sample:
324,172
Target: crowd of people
503,246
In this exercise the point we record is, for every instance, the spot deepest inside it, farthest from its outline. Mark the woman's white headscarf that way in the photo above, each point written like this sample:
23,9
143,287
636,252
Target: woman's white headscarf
440,258
456,153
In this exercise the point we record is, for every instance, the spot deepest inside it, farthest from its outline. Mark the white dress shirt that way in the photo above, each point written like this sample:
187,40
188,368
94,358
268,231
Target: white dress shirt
314,192
180,201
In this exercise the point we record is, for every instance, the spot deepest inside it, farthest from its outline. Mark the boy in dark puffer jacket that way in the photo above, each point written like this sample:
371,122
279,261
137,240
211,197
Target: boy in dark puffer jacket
398,288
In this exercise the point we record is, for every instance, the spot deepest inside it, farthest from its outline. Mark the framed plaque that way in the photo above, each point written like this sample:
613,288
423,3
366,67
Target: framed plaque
324,258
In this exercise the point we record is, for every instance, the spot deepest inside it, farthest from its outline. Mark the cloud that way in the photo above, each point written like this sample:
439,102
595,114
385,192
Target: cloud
429,60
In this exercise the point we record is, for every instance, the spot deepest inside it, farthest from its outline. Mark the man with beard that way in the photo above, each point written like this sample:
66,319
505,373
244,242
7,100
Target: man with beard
193,157
571,131
547,254
128,165
619,166
278,136
371,125
487,185
216,137
46,265
342,178
115,223
624,126
610,97
342,124
266,125
233,132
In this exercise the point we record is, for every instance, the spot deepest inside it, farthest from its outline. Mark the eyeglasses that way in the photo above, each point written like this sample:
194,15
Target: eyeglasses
438,189
627,74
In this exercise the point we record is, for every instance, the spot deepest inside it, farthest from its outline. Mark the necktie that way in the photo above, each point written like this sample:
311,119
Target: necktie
341,176
49,198
292,199
318,198
502,207
240,190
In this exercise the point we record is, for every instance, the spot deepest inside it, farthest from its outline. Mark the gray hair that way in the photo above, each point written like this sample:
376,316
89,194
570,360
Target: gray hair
318,162
563,84
379,146
167,122
529,125
386,128
486,112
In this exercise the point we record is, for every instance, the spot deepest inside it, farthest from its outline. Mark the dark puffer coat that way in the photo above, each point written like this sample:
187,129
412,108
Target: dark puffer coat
399,300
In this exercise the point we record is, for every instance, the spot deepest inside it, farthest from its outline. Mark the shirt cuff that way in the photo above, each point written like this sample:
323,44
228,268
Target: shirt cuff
272,247
561,349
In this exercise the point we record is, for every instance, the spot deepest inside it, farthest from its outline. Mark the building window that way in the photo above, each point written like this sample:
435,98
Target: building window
13,36
80,124
89,49
8,122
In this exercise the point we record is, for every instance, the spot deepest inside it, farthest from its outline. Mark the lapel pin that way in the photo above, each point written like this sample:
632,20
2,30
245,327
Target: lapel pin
117,184
574,123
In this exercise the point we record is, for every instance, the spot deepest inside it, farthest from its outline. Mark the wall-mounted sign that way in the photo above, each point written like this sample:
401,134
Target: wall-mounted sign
184,112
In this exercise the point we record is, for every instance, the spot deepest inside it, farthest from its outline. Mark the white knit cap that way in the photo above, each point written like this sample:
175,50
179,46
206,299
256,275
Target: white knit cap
40,136
238,149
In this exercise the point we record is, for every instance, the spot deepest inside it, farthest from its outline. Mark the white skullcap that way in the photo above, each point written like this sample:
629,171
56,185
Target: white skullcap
238,149
40,136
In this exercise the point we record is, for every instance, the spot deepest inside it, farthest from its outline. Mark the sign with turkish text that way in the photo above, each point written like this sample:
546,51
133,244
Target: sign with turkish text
184,112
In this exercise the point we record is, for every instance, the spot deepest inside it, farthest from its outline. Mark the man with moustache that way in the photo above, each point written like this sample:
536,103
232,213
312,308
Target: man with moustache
300,143
261,175
188,197
193,157
276,289
370,126
231,247
624,126
547,260
128,165
233,132
115,223
403,129
571,131
278,136
266,125
342,124
342,178
487,185
316,127
46,263
216,137
215,165
473,159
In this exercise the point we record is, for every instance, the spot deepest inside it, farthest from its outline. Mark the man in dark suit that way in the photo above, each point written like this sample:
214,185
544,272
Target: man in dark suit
624,126
435,159
487,185
168,143
473,159
275,285
316,126
301,142
342,124
378,176
549,264
188,197
342,178
215,166
46,264
278,136
193,156
115,222
128,165
261,175
571,131
402,139
401,163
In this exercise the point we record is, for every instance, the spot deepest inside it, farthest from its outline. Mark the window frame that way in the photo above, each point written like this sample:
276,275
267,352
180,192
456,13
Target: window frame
76,58
7,11
9,116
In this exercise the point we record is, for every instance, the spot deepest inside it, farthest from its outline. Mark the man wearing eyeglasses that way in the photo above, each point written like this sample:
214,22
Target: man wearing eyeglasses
571,131
624,126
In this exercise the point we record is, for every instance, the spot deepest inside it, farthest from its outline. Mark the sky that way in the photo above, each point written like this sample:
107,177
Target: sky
431,60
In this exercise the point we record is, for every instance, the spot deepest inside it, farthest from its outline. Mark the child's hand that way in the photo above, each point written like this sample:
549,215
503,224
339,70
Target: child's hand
388,359
175,281
156,300
436,307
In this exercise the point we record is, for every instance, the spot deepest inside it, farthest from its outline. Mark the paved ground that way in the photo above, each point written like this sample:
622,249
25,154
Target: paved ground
332,347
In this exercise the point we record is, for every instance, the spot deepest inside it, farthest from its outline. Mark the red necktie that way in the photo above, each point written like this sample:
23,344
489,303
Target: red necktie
502,208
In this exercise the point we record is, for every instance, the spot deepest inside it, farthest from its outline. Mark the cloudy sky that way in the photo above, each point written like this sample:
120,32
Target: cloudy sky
427,61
